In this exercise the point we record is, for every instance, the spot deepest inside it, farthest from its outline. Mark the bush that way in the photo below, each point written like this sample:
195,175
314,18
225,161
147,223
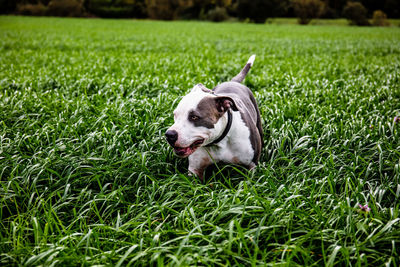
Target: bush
32,9
65,8
379,18
217,14
306,10
356,13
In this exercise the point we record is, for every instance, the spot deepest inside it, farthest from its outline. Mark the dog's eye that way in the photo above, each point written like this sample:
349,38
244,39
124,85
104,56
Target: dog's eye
194,118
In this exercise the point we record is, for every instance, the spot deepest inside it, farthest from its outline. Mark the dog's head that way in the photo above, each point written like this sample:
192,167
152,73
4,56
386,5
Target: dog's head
198,120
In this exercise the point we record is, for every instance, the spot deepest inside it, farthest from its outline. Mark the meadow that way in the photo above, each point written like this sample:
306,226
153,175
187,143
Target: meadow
88,179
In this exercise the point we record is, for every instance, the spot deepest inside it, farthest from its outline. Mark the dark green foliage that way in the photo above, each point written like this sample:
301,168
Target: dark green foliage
162,9
86,177
306,10
32,9
217,14
117,9
259,10
65,8
195,9
356,13
58,8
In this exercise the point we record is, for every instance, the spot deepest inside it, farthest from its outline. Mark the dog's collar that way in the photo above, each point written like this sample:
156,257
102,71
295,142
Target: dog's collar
225,132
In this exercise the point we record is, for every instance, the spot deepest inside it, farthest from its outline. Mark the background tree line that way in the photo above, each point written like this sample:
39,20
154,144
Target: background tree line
216,10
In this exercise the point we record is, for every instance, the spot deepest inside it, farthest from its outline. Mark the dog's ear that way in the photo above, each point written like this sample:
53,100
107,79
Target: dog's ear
201,87
223,103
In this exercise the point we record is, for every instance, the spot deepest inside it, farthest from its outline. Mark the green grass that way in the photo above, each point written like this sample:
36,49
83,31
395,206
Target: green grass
331,22
88,179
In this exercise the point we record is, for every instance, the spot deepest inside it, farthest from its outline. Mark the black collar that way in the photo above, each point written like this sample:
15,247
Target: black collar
225,132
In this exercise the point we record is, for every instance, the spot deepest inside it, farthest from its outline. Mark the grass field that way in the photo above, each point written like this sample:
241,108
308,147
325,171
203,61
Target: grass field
88,179
332,22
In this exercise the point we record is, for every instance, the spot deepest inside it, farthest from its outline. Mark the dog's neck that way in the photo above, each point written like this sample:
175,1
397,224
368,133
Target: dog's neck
226,130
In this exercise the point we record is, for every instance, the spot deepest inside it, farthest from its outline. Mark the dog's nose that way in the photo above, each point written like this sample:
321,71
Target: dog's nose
171,136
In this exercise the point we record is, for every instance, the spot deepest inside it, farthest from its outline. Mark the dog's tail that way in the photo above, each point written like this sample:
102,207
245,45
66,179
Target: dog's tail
240,77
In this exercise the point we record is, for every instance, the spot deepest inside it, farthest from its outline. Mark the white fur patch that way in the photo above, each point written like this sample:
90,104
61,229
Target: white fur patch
234,148
251,60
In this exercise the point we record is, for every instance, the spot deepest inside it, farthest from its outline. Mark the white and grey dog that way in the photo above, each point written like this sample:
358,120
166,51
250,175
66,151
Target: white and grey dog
222,124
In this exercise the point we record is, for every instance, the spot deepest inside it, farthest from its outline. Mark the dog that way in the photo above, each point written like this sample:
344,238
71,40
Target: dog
219,125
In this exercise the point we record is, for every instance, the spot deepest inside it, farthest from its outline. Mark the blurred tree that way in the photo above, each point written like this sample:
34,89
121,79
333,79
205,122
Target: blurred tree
333,8
66,8
31,9
379,18
356,13
391,7
306,10
162,9
255,10
214,10
259,10
9,6
117,8
188,9
217,14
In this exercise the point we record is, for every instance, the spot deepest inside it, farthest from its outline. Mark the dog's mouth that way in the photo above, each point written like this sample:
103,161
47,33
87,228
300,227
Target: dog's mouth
186,151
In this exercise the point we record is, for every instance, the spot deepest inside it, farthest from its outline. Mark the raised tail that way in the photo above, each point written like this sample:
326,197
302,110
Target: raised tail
240,77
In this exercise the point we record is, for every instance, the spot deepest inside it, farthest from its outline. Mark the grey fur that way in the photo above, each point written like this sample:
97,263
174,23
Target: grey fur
242,74
207,112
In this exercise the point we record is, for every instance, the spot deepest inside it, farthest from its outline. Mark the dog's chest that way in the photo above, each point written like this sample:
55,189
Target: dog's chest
236,147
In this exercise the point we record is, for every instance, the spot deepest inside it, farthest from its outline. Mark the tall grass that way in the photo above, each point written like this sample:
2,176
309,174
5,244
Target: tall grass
88,179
